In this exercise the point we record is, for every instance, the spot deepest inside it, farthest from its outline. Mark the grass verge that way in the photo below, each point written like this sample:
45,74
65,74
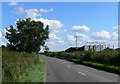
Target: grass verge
36,74
105,67
22,67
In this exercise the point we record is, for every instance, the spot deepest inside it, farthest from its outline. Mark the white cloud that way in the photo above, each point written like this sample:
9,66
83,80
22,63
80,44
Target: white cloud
1,37
83,37
54,24
114,35
80,28
65,30
109,38
12,3
4,31
34,13
45,10
71,38
54,42
61,41
103,34
54,31
52,36
0,34
19,10
116,28
50,44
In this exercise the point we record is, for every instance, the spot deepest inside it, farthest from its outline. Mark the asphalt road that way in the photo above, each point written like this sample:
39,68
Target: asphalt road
63,71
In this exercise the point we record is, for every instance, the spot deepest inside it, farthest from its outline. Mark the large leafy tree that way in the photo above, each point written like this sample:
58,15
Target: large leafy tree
28,35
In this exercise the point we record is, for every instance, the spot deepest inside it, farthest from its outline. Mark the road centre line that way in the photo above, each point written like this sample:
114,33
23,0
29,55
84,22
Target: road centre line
81,73
69,66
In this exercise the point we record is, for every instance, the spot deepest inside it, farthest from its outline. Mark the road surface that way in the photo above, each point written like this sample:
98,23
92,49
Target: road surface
63,71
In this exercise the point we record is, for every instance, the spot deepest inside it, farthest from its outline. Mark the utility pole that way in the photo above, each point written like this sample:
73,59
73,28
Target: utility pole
76,41
113,46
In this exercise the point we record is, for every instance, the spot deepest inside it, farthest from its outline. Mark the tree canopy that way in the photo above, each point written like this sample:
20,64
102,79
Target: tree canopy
28,35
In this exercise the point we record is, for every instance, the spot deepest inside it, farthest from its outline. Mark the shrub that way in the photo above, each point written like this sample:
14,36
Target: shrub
88,55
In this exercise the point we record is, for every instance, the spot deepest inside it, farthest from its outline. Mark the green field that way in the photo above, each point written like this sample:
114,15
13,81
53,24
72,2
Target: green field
22,67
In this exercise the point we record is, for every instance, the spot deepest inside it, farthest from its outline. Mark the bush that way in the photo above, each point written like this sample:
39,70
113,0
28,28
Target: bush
88,55
107,57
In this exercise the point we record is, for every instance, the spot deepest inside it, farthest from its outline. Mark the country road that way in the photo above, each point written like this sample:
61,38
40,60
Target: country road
63,71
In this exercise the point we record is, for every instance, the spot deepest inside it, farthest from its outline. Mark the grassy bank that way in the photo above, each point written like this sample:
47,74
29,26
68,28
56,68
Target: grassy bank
107,60
36,74
22,67
105,67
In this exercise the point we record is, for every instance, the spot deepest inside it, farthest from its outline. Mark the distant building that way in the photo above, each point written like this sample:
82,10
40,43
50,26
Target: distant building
97,46
85,48
71,49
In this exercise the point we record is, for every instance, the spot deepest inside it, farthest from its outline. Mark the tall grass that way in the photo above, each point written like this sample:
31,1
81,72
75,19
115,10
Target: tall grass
21,66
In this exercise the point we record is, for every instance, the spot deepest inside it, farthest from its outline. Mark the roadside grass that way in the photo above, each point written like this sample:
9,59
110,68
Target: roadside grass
22,67
35,74
105,67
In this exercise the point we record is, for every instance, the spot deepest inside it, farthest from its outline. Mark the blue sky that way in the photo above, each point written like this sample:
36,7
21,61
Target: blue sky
91,21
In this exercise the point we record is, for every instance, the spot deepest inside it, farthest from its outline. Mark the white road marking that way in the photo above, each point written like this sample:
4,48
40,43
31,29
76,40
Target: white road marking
69,66
81,73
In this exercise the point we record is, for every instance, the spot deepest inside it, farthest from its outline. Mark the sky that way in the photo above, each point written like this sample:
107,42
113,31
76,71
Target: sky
61,0
90,21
